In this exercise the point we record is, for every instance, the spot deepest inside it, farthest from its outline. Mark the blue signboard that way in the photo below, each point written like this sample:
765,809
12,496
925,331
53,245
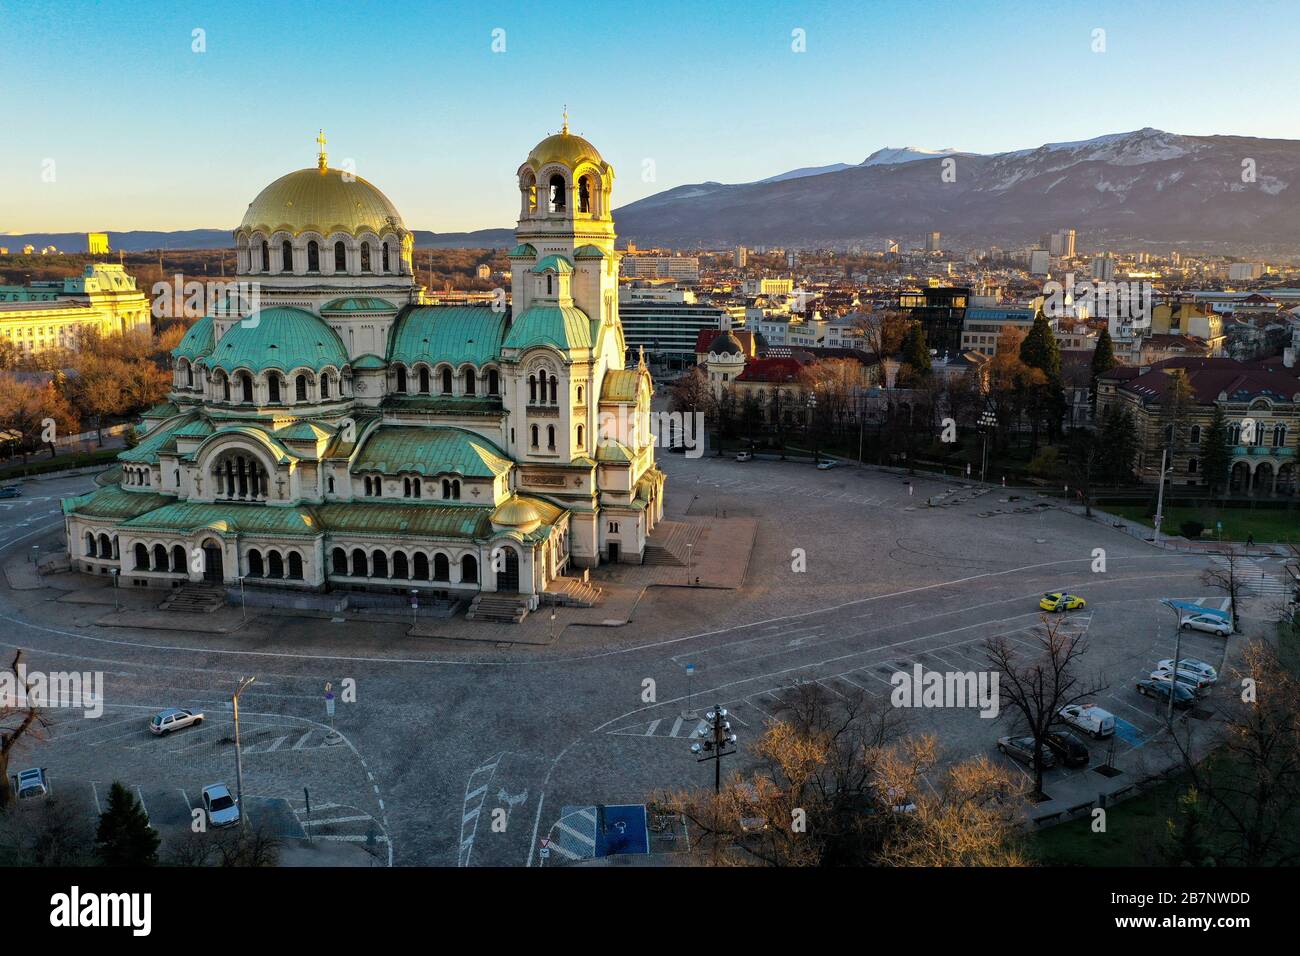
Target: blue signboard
622,829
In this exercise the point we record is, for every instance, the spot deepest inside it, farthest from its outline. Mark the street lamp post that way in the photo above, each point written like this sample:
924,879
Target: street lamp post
716,739
689,551
1160,497
117,573
239,757
243,599
987,421
812,423
1178,650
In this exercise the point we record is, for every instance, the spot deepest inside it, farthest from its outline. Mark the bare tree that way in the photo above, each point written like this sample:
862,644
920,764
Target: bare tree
1036,683
19,718
1227,578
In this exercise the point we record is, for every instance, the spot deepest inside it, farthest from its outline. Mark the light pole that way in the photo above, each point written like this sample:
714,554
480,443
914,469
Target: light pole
1178,650
717,739
987,421
1160,497
689,547
239,757
243,599
415,606
812,422
117,573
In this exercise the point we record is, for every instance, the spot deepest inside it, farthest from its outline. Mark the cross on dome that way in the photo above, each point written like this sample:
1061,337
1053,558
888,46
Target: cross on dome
321,159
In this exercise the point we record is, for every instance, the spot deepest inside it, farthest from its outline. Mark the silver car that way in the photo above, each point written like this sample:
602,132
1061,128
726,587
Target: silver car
1022,749
1191,665
1193,682
1210,623
220,805
173,718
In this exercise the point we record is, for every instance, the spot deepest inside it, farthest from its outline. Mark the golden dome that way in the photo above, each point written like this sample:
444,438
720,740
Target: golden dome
323,201
518,514
564,148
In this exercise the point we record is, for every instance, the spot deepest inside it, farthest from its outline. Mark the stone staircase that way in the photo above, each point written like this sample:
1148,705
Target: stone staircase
667,544
195,598
499,608
572,592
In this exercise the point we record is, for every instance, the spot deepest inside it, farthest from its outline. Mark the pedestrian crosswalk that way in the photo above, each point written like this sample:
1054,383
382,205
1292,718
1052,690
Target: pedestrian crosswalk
680,726
338,823
573,835
1252,576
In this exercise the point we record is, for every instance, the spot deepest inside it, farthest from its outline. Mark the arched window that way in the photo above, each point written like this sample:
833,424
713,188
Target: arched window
1192,465
534,430
286,256
266,257
424,380
532,390
469,569
325,385
225,389
359,563
401,378
584,194
178,559
329,484
141,557
580,436
420,566
340,257
1196,435
246,381
160,561
313,257
557,193
107,549
365,257
455,489
386,269
189,375
550,437
555,400
300,388
469,381
295,565
1234,434
441,568
494,382
579,394
399,565
340,561
379,564
255,568
446,488
273,388
550,285
274,565
1279,435
90,545
446,381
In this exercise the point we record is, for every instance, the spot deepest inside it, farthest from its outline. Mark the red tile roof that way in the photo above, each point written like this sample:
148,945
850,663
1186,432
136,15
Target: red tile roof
770,370
1211,378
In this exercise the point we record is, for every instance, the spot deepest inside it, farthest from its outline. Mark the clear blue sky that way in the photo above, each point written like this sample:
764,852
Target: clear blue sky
146,134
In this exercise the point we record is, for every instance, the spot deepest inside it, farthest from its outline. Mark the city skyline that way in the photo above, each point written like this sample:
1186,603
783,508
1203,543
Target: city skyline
450,170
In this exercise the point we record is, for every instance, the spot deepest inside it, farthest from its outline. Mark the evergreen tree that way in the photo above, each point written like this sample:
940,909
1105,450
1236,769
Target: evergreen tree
916,352
1188,839
125,837
1103,360
1216,453
1119,445
1045,402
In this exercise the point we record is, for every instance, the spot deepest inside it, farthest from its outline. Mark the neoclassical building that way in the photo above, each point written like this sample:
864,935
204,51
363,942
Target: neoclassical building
344,435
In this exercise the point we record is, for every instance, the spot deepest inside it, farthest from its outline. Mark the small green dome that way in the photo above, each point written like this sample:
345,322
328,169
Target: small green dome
281,337
197,341
564,327
357,303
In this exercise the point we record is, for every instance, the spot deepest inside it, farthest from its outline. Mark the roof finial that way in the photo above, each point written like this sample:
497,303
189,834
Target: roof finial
565,128
641,357
321,163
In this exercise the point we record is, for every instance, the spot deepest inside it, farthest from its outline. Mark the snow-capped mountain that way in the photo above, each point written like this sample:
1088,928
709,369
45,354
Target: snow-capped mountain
1145,187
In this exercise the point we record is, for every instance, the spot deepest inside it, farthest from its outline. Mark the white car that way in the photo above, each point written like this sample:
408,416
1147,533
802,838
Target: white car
745,456
173,718
1089,718
826,465
220,805
1209,623
1207,672
32,784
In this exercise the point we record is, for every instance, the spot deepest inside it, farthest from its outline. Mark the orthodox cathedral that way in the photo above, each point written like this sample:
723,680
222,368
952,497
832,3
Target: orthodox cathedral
344,435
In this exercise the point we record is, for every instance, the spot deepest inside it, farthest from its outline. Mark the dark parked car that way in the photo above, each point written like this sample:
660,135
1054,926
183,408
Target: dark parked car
1022,749
10,491
1161,689
1068,748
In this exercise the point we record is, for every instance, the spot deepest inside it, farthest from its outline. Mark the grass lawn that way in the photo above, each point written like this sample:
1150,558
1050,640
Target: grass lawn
1267,525
1134,831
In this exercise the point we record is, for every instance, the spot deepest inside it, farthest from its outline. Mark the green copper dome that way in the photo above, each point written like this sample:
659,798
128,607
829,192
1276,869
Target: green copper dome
197,341
283,338
566,328
357,303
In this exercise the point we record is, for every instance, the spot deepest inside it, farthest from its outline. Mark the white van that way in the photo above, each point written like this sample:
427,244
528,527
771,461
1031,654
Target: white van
1089,718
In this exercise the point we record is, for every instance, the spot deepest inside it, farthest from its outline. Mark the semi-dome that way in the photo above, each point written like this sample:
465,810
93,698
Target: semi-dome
517,513
321,200
283,338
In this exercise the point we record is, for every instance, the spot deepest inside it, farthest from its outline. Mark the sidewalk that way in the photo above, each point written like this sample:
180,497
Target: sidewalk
1167,542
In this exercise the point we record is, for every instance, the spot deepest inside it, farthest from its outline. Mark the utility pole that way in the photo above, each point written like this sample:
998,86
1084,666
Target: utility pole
717,738
1178,650
239,757
1160,496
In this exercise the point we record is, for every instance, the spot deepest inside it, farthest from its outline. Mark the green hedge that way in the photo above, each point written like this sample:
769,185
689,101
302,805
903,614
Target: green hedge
41,466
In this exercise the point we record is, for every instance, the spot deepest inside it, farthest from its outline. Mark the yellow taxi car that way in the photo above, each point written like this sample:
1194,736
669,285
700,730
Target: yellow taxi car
1060,601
